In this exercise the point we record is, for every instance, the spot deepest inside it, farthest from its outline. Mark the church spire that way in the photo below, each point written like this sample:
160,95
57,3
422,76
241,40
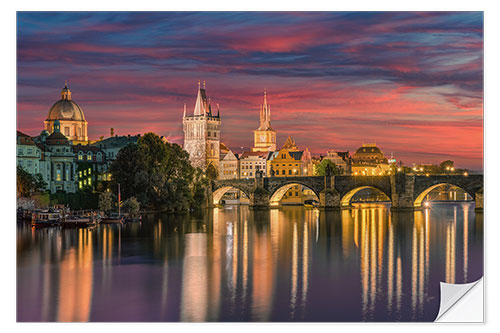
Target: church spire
265,114
201,105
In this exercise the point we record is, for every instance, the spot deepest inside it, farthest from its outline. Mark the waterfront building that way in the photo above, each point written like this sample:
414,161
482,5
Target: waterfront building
70,116
368,160
289,161
91,167
342,160
202,133
112,145
58,160
253,161
229,166
28,153
265,135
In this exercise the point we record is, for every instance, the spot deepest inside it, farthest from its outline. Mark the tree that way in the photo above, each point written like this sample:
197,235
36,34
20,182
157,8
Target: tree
158,174
446,165
131,206
27,184
322,166
211,172
106,201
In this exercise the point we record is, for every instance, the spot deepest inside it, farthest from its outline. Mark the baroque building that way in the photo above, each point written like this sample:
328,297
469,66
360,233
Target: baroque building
202,133
265,135
368,160
70,116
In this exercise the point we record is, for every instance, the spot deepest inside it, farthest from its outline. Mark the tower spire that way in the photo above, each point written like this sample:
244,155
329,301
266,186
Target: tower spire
184,110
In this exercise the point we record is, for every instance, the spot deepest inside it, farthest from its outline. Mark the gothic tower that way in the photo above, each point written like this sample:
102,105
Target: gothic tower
264,136
202,132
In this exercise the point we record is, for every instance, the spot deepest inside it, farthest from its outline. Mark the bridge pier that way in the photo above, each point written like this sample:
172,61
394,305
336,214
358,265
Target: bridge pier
479,200
329,199
259,199
402,192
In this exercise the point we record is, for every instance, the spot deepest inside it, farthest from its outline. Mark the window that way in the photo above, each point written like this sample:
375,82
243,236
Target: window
296,194
20,162
80,174
289,172
89,156
29,164
85,182
89,171
80,156
66,131
80,184
84,172
30,151
283,172
90,181
20,151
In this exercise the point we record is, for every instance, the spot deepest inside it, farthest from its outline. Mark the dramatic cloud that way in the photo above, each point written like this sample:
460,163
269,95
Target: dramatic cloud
410,81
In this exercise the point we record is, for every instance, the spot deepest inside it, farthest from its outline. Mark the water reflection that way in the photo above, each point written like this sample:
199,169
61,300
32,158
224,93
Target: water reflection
236,264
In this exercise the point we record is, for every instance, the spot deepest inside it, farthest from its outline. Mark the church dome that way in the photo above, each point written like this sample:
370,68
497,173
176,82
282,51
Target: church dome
66,108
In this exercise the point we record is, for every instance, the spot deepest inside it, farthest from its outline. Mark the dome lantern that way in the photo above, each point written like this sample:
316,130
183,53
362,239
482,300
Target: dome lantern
65,92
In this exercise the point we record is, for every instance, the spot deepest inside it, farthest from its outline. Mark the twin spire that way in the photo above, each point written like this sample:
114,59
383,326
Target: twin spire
202,105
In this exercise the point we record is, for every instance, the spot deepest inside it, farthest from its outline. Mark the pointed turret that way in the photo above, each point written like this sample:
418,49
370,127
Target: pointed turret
265,115
184,116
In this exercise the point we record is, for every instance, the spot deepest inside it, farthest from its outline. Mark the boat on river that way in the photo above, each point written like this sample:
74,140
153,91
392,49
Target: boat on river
46,218
78,221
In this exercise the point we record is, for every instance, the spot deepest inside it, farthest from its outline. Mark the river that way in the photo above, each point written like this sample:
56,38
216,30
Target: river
236,264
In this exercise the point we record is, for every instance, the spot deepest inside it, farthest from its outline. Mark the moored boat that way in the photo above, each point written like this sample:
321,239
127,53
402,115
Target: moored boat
46,218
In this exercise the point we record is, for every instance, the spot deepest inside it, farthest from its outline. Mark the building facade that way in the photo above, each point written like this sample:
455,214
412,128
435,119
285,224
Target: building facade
112,145
70,116
368,160
229,166
91,168
253,161
202,133
341,159
28,153
265,135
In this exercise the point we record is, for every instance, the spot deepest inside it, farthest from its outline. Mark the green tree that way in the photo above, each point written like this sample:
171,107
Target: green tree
106,201
158,174
446,165
131,206
211,172
321,168
27,184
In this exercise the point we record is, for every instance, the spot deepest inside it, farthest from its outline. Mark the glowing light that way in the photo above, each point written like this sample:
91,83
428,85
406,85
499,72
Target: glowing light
421,169
466,174
452,169
399,169
427,204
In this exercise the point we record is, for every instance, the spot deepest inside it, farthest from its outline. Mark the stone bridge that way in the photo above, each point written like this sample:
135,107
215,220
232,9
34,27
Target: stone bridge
405,191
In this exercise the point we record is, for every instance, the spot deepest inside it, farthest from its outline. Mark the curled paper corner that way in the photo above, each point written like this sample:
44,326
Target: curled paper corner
461,303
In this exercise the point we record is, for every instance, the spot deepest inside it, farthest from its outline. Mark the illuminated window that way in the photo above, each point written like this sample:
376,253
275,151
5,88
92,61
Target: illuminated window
89,157
90,181
80,184
80,157
80,174
85,182
89,171
84,172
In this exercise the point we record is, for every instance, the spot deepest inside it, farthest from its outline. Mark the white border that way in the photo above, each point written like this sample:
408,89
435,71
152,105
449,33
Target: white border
491,150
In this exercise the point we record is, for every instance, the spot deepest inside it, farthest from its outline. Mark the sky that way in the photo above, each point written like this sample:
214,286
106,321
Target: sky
411,82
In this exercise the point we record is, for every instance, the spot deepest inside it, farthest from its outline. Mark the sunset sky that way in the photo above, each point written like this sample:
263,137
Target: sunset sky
411,82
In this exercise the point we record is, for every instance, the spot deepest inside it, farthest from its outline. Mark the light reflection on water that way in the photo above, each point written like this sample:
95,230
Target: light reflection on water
236,264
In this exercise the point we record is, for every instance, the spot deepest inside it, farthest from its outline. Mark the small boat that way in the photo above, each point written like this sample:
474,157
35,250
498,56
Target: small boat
112,218
310,204
77,221
46,218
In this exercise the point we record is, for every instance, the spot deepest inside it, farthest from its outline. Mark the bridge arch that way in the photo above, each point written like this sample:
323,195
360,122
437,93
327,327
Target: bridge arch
345,201
419,198
219,193
277,195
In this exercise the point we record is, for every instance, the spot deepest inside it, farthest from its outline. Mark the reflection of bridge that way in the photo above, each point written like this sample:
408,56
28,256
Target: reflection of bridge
404,191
